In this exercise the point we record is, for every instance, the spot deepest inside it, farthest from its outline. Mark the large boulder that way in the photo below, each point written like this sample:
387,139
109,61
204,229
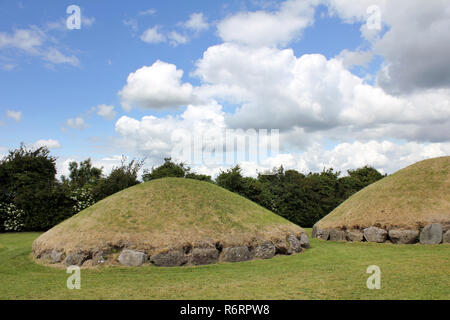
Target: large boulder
337,235
56,256
202,256
53,256
325,235
400,236
294,243
265,250
316,232
281,247
132,258
75,259
374,234
355,235
236,254
98,258
169,259
304,241
431,234
446,237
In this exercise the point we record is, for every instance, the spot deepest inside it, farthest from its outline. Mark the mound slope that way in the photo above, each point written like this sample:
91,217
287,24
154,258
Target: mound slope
410,200
169,219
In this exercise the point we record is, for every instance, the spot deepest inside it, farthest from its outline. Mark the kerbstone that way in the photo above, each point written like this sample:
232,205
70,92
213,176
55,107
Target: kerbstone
236,254
400,236
374,234
132,258
169,259
431,234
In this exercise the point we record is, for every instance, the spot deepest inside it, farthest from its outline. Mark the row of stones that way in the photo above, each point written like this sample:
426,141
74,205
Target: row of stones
183,256
430,234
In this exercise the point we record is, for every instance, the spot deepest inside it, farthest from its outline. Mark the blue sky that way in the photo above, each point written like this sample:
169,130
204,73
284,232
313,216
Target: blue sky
49,75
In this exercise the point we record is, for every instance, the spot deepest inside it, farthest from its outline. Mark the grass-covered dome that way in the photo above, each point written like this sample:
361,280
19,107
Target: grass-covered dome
163,215
409,199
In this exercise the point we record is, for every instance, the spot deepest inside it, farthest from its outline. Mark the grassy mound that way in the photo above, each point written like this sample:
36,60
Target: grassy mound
410,198
164,214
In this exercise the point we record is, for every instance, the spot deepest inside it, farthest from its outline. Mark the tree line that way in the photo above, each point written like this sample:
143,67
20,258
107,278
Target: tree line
33,199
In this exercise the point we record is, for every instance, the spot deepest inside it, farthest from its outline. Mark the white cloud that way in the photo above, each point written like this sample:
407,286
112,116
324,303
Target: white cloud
132,23
416,44
28,40
156,87
106,111
56,57
106,164
275,89
152,35
76,123
15,115
335,118
262,28
148,12
197,22
34,41
355,58
157,138
385,156
177,38
50,144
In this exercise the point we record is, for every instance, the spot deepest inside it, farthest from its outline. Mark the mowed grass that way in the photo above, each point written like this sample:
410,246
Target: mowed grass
329,270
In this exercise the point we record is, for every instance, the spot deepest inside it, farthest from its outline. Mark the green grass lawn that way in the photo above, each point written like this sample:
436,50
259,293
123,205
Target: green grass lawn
327,271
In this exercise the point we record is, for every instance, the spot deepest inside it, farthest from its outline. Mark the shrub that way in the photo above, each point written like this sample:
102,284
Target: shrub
168,169
83,199
13,218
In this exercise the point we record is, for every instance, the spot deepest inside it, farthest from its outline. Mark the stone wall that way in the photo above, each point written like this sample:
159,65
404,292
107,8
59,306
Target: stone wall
435,233
188,255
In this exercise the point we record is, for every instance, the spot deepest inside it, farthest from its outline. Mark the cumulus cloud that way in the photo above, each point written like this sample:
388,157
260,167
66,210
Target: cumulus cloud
152,35
197,22
385,156
275,89
157,86
177,38
106,164
50,144
105,111
263,28
159,137
329,116
15,115
76,123
355,58
415,44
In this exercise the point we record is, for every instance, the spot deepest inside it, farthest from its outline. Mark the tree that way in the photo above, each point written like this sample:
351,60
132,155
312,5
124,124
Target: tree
231,179
356,180
168,169
201,177
121,177
82,174
28,183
